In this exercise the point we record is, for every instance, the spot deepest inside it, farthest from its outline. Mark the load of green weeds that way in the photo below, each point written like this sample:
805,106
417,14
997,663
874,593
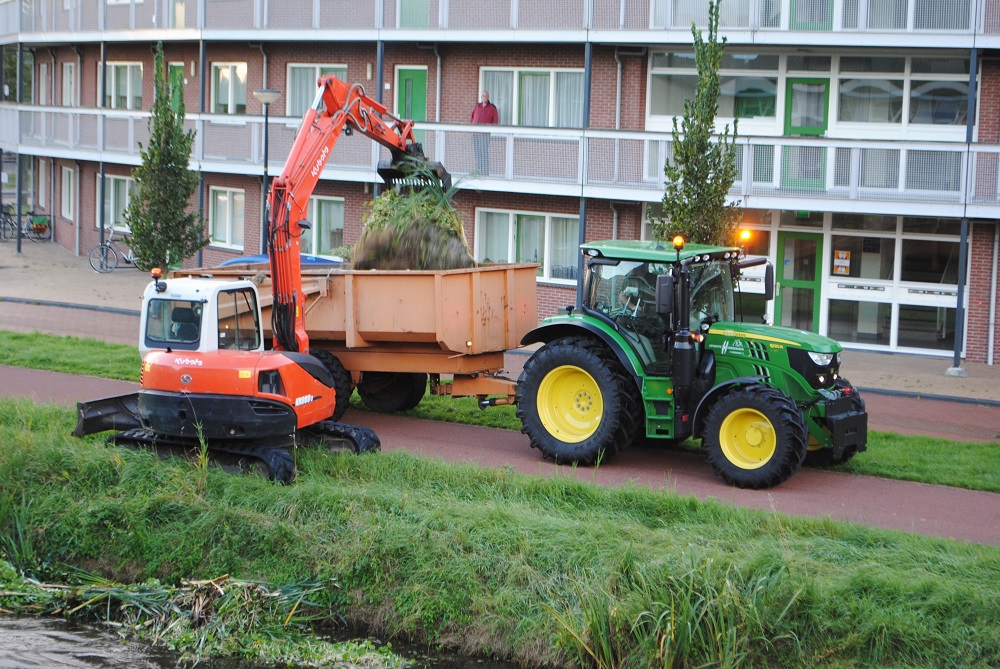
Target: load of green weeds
416,229
542,571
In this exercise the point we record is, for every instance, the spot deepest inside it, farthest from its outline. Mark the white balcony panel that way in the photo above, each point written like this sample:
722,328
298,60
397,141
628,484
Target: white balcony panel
479,15
347,14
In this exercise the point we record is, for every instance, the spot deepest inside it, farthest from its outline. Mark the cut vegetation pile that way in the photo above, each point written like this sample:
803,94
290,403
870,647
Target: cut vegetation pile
417,230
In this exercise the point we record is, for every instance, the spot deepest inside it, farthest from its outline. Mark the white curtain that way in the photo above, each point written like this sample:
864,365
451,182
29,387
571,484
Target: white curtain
565,240
534,99
531,240
500,85
569,99
494,236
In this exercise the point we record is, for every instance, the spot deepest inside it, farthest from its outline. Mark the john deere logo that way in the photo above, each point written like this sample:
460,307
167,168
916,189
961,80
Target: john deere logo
733,347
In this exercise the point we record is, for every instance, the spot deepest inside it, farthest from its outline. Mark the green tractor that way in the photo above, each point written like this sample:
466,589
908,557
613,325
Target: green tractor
657,351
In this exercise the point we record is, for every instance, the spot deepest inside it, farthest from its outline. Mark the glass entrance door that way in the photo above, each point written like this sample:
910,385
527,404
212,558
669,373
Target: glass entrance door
799,264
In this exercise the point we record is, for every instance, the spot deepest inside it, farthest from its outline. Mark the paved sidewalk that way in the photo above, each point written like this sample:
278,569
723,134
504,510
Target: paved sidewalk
37,286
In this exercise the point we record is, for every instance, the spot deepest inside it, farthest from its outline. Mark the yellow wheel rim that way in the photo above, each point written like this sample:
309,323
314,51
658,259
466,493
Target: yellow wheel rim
570,404
747,438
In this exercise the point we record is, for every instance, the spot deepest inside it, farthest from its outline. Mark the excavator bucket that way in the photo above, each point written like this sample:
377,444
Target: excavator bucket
414,173
110,413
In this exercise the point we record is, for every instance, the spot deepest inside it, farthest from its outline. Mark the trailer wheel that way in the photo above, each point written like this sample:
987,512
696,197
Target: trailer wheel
388,392
577,403
342,387
755,437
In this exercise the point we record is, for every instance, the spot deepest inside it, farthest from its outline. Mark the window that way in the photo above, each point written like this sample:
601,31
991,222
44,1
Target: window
508,236
226,217
302,85
748,85
43,84
175,80
939,92
866,95
238,323
68,190
122,85
327,218
229,88
43,181
69,84
117,193
541,98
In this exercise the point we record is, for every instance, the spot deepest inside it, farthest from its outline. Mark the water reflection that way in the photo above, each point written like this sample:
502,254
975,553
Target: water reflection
52,643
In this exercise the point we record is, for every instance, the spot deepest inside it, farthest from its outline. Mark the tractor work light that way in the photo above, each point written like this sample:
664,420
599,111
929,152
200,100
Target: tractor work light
678,242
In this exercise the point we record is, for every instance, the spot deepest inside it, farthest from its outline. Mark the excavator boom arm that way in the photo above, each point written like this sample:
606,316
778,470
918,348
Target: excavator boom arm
337,106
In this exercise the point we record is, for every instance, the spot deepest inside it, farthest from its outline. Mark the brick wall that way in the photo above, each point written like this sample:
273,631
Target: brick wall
988,114
981,277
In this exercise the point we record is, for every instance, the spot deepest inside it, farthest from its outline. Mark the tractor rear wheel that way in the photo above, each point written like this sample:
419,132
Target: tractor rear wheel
342,386
388,392
577,403
755,437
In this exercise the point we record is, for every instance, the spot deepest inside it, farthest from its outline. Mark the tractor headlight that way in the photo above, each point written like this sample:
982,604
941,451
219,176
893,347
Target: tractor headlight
821,359
820,370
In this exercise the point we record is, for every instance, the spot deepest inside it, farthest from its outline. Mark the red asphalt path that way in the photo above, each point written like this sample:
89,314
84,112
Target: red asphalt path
899,505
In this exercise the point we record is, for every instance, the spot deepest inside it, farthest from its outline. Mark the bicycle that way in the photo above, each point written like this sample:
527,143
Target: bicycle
35,227
105,257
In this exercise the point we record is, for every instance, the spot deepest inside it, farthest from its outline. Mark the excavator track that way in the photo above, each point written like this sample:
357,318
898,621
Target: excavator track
333,434
277,460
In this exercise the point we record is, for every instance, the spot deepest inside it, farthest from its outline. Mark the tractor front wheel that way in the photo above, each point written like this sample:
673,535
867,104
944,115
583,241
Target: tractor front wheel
755,437
577,403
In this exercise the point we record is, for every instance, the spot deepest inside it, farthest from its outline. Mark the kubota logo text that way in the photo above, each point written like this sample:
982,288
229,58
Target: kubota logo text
318,167
188,361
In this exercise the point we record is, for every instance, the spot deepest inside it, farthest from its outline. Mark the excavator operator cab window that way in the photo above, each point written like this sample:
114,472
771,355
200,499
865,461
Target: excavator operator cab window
174,324
239,327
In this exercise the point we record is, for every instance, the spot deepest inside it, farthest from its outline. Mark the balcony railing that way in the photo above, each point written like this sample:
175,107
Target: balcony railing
902,16
594,163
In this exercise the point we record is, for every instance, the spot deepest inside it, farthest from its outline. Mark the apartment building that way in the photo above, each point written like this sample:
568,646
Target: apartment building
869,132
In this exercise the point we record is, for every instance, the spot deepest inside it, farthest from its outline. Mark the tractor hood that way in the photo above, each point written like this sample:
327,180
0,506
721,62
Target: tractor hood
779,337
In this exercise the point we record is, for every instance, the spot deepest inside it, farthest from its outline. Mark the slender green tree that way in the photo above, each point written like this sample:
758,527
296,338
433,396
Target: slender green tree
701,170
164,227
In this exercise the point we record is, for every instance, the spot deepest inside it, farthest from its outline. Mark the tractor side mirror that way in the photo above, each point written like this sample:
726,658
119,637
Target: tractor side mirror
665,296
768,282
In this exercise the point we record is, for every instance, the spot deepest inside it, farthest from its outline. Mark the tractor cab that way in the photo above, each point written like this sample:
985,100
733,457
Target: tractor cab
200,315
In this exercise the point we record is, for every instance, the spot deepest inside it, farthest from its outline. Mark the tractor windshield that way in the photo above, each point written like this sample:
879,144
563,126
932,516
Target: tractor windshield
711,294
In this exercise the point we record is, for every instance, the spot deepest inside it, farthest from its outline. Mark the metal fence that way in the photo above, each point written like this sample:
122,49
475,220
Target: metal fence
907,16
564,162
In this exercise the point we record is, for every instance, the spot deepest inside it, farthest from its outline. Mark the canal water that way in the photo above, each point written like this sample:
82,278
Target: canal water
54,643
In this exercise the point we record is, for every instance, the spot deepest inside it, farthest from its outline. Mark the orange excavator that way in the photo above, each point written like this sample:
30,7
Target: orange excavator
206,377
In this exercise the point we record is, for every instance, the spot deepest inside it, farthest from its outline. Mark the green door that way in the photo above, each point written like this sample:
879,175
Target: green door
811,15
807,104
411,96
796,303
176,86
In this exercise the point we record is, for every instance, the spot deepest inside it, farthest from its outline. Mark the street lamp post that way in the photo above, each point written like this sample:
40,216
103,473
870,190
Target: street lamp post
266,96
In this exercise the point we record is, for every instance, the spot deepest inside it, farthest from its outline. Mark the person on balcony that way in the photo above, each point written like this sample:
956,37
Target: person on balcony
484,113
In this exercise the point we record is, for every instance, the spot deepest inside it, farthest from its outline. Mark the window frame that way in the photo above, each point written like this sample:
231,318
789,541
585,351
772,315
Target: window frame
515,103
226,243
317,73
69,87
111,85
232,104
310,216
545,271
109,192
67,189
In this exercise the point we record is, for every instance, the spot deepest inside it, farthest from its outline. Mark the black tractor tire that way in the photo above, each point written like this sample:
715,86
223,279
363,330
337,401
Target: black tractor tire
389,392
823,457
577,403
755,437
342,386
